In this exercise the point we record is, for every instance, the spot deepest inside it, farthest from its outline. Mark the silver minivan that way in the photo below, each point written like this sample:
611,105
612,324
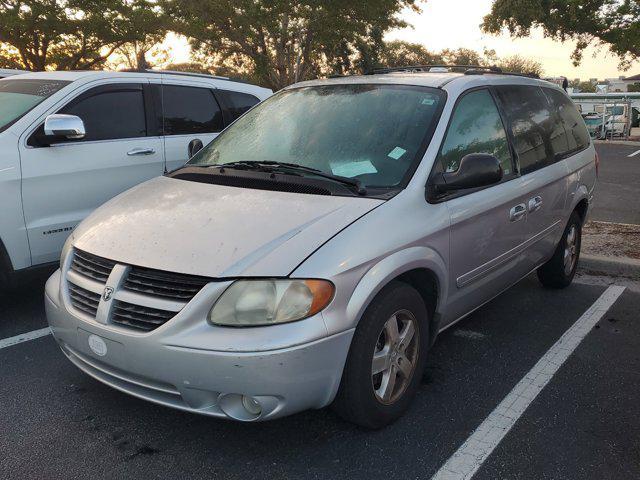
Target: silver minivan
310,255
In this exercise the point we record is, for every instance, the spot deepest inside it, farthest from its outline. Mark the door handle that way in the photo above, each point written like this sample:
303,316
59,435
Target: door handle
535,203
518,212
141,151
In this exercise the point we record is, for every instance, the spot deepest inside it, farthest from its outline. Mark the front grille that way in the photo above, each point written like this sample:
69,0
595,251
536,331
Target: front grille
164,284
139,317
156,286
84,300
91,266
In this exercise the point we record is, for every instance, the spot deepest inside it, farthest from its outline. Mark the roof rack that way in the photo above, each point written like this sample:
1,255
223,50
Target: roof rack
466,69
186,74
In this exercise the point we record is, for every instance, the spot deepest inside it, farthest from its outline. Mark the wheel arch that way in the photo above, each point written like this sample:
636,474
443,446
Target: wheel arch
6,266
420,267
582,208
581,201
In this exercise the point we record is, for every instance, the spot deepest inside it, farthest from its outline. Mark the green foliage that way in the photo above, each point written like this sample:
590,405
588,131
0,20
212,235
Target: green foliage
634,87
279,42
75,34
584,87
9,57
462,56
518,64
398,54
192,67
611,23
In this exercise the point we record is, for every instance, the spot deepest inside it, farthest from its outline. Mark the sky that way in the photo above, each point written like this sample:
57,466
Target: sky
456,23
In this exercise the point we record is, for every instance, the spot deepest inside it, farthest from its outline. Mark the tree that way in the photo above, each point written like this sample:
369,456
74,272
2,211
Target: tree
283,41
583,87
192,67
634,87
140,55
74,34
518,64
462,56
611,23
399,54
9,57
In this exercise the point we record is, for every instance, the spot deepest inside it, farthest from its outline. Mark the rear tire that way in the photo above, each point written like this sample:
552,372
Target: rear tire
386,359
4,281
560,270
6,272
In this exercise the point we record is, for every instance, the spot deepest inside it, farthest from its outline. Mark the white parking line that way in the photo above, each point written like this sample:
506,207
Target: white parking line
477,448
634,154
24,337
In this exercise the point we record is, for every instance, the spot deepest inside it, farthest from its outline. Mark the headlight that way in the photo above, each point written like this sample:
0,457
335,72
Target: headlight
248,303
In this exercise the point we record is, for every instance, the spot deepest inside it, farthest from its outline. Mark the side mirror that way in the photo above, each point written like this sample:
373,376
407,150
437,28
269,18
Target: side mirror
476,170
194,147
69,127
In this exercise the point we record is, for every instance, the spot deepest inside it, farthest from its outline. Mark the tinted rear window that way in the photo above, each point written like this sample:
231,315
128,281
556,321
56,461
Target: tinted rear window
577,133
238,103
190,110
538,135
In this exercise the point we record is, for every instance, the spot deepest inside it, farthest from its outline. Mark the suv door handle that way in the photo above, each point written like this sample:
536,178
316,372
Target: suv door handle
141,151
535,203
517,212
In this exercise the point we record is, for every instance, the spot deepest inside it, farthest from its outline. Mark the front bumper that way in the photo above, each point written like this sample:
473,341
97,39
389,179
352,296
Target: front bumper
173,369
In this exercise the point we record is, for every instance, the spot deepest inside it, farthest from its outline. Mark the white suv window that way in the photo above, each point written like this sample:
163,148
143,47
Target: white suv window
190,110
111,115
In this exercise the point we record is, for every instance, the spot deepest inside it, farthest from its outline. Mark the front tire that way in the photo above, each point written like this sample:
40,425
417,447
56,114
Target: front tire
386,359
560,270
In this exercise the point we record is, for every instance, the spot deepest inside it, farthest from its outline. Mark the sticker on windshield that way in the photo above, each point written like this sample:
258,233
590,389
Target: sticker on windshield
353,169
428,101
396,153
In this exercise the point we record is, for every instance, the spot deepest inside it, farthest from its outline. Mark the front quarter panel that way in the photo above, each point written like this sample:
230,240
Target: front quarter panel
12,230
404,234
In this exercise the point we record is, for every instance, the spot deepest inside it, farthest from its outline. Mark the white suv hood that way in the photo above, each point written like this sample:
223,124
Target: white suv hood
215,231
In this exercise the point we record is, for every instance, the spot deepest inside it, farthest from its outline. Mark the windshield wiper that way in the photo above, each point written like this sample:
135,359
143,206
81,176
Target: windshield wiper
272,165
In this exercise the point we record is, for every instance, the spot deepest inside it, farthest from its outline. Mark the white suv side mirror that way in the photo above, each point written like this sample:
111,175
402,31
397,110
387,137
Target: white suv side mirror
66,126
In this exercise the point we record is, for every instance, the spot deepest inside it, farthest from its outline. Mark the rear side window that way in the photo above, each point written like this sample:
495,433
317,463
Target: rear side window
237,103
111,115
475,127
189,110
538,135
577,134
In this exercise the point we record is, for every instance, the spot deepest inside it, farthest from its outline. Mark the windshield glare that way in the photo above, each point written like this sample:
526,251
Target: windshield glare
17,97
373,133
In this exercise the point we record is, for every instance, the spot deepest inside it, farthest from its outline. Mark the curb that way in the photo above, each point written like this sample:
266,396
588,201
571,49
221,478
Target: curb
630,143
611,266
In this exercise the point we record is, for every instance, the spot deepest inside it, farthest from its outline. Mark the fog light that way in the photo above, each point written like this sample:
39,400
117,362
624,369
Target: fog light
251,405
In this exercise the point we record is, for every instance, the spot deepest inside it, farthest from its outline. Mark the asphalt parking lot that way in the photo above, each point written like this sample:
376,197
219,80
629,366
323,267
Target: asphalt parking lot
56,422
617,198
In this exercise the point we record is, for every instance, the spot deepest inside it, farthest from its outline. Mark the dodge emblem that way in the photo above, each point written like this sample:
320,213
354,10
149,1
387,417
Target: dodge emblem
106,295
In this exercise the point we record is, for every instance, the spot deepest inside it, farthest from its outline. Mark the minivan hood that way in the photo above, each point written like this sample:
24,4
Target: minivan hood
214,230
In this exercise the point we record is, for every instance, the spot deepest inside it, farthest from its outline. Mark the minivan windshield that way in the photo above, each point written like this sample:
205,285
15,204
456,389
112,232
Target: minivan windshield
371,133
18,96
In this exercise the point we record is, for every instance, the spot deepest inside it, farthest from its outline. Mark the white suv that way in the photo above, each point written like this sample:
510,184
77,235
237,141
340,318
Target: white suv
69,141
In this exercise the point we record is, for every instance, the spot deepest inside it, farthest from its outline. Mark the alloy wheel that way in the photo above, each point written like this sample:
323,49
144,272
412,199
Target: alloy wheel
570,250
395,356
